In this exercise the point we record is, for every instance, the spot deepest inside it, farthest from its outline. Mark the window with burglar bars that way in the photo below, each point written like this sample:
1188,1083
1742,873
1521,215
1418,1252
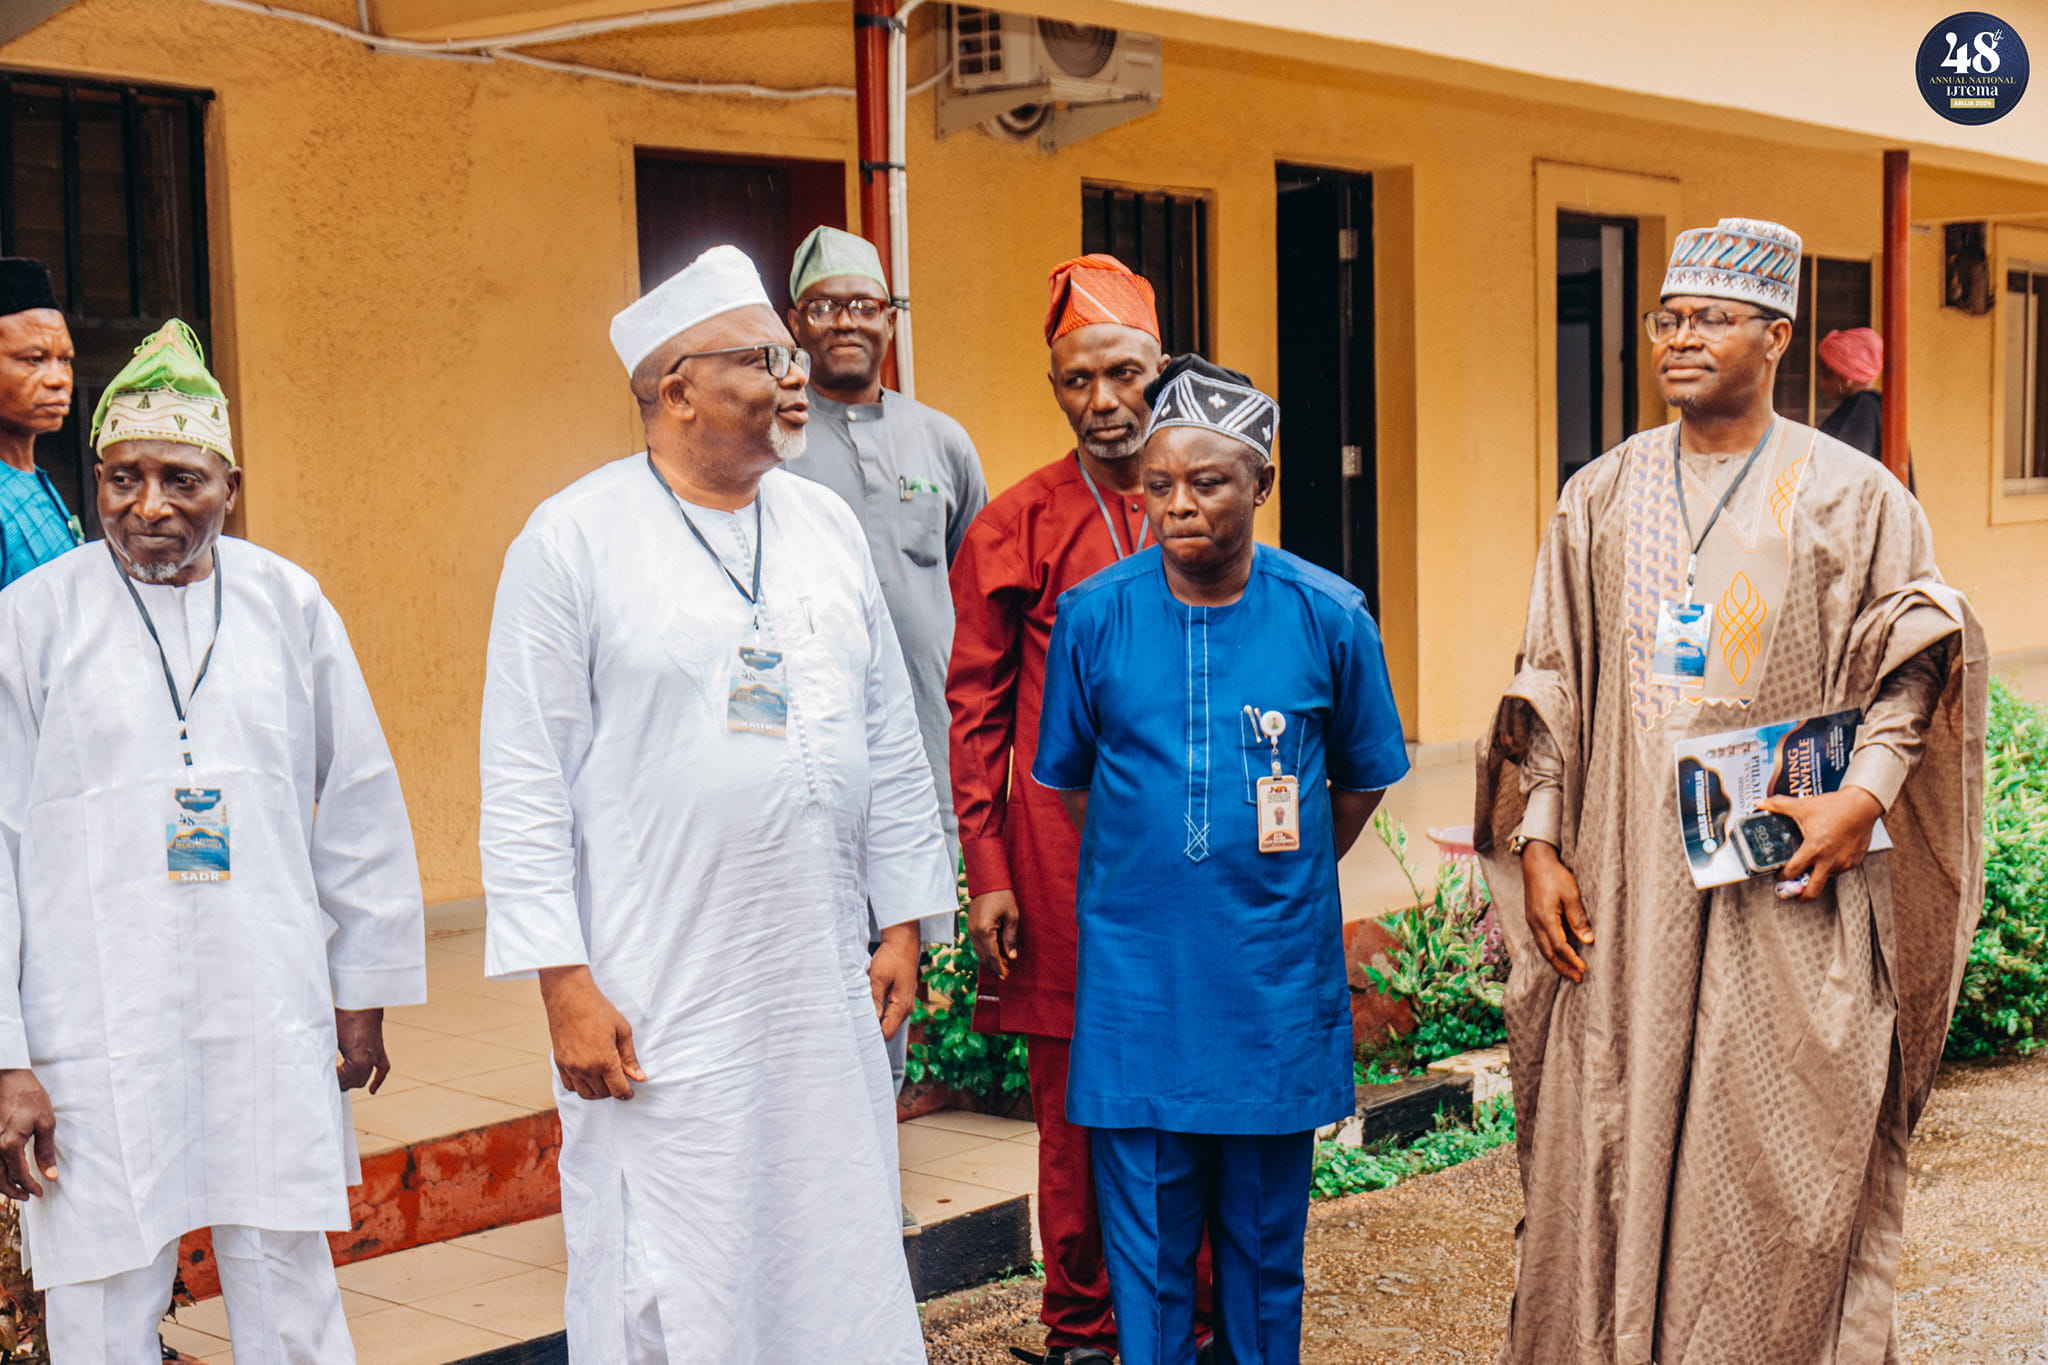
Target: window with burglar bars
1833,296
1165,238
105,184
2026,377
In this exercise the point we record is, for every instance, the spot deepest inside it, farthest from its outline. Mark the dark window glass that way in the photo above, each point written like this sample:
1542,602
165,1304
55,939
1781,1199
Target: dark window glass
1165,238
105,184
1834,296
690,202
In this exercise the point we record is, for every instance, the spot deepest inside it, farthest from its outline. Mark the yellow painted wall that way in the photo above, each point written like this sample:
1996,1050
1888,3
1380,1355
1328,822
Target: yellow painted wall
418,260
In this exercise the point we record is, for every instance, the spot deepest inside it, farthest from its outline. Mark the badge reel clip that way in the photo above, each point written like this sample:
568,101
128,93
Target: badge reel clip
1279,794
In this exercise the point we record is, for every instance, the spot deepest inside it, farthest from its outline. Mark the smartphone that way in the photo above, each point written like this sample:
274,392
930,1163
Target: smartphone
1764,841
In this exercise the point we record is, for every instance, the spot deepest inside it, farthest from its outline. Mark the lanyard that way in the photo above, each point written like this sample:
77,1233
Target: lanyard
1103,507
178,703
754,597
1692,561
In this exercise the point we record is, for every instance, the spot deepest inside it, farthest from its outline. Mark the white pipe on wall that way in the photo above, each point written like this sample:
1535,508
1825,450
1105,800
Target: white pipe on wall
899,198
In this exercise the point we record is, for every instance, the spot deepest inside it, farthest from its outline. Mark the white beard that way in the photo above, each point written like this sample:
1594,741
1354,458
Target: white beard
1110,452
153,573
787,444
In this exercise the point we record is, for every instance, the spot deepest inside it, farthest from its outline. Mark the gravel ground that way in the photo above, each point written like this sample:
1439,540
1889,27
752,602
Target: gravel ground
1421,1273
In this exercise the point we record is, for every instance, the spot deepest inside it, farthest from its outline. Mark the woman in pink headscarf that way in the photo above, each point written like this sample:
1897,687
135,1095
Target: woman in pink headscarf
1849,362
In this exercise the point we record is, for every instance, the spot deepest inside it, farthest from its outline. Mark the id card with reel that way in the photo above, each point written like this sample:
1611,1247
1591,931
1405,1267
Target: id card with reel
1279,800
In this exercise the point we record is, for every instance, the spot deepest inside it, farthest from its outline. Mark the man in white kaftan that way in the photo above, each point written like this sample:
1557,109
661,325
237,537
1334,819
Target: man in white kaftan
684,847
206,873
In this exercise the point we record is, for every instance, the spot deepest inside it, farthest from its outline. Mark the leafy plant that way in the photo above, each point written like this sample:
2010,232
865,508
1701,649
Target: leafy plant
2004,1002
21,1306
1438,960
988,1066
1340,1170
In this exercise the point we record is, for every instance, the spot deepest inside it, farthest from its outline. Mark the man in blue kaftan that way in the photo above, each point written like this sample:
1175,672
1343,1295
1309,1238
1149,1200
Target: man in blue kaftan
1225,709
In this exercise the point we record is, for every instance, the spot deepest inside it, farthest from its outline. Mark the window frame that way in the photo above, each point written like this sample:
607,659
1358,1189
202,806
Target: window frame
2024,248
1195,335
1808,324
88,328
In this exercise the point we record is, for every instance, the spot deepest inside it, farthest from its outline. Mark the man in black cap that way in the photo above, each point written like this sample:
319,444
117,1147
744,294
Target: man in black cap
35,397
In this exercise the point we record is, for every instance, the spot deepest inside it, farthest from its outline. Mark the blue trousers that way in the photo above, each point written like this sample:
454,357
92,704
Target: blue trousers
1156,1190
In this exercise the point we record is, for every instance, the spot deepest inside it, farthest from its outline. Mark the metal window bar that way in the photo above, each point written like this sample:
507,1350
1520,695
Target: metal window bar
153,217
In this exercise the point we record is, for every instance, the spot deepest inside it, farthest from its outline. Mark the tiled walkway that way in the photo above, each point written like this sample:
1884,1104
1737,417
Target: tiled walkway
477,1054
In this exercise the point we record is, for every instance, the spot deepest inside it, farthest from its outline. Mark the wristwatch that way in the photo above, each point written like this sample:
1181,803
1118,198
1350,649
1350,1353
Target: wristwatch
1517,844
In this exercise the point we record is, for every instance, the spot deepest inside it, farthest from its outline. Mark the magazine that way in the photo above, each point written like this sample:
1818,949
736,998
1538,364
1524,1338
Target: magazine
1727,775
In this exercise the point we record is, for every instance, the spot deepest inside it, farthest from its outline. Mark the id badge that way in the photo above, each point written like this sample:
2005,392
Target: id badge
758,700
1683,633
1279,814
196,836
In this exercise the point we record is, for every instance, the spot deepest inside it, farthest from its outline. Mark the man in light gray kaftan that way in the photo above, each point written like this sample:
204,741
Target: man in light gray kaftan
1714,1090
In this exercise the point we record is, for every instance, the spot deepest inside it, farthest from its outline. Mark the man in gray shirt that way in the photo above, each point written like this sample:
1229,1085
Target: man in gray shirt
909,473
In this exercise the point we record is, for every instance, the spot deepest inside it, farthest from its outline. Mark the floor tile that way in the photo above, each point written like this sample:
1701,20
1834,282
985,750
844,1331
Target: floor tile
400,1035
528,1035
355,1303
529,1085
1029,1139
918,1142
932,1199
471,981
406,1336
201,1345
431,1111
459,1013
424,1271
986,1126
1008,1166
209,1316
450,1058
538,1242
369,1144
525,1306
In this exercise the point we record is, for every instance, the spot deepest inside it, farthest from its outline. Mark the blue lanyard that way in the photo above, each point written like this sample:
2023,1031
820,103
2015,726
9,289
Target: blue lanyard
754,597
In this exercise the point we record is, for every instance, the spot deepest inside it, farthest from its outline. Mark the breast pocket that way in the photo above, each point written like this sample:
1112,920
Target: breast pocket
924,528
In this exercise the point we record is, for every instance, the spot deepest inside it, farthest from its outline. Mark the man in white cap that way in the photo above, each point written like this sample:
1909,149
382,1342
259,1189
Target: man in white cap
1716,1075
909,473
701,766
207,889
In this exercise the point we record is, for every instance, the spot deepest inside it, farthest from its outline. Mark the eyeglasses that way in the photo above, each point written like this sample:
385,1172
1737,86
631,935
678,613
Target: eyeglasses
777,358
822,311
1709,324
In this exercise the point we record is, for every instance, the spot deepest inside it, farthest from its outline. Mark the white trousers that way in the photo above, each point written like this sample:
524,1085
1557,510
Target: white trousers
284,1307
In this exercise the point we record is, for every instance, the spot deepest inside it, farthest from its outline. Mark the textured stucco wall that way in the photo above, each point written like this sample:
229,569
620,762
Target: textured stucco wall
417,261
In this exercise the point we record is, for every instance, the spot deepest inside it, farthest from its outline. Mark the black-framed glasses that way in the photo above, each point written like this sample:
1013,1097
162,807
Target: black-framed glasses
778,358
822,311
1708,324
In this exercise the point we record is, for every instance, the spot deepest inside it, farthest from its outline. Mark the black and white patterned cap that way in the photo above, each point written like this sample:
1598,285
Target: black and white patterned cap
1191,392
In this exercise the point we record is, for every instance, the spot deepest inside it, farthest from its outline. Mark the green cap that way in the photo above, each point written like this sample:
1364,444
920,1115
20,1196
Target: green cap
165,393
828,252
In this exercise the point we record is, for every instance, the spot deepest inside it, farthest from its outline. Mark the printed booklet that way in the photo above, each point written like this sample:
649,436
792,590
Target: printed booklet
1724,776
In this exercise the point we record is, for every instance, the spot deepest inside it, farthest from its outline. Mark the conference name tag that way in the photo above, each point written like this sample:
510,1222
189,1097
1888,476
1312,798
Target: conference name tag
196,836
1683,633
1279,814
758,701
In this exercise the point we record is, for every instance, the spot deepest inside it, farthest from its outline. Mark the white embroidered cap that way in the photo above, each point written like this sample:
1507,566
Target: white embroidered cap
719,281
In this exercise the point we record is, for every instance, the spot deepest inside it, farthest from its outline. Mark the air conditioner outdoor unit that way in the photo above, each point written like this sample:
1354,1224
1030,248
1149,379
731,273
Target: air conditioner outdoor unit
1020,77
1051,61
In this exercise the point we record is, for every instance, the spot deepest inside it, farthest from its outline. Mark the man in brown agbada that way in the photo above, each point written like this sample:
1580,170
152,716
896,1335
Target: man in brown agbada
1714,1090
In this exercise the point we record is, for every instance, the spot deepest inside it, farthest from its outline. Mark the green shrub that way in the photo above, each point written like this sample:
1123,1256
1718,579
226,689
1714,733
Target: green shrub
988,1066
2004,1003
1341,1170
1438,961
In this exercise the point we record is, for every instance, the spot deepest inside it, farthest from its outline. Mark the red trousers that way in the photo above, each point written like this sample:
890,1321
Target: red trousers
1076,1309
